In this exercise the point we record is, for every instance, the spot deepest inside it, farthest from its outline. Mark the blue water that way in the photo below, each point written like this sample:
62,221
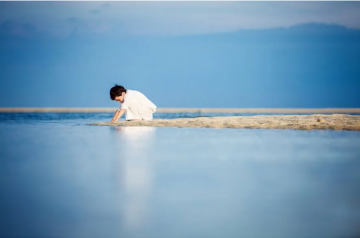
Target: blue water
62,178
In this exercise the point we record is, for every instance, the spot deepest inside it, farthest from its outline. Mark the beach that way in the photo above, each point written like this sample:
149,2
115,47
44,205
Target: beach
298,122
182,110
248,119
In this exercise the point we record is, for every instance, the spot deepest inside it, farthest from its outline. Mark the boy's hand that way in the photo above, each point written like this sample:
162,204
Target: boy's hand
118,115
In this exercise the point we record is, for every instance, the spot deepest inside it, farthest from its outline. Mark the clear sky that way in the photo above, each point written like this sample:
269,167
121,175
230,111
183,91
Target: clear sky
181,54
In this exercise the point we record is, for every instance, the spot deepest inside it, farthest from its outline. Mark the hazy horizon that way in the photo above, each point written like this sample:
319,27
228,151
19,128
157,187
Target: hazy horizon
181,55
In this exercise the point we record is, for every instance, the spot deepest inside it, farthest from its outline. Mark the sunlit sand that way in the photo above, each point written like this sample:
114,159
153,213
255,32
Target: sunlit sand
191,110
299,122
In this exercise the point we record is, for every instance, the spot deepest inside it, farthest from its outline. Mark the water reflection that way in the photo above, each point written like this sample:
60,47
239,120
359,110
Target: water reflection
136,174
131,182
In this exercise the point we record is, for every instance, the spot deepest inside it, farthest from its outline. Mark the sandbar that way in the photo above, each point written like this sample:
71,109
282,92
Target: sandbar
297,122
186,110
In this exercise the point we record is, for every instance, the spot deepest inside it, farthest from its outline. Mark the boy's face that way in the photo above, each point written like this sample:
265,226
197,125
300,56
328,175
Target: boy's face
120,98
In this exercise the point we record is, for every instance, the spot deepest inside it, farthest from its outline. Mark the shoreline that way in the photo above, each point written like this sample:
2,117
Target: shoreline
297,122
188,110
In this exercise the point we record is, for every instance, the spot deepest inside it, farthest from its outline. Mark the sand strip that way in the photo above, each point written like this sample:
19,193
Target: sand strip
190,110
298,122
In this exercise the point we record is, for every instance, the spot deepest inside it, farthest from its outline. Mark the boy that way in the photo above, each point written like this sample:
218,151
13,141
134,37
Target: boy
135,104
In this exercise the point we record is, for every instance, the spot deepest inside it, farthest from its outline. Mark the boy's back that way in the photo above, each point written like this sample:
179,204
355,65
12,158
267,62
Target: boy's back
136,98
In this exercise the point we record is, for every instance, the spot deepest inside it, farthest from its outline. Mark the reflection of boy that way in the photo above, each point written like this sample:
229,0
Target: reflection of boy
135,104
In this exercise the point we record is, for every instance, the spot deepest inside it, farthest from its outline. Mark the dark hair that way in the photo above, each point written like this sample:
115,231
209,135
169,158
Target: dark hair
117,90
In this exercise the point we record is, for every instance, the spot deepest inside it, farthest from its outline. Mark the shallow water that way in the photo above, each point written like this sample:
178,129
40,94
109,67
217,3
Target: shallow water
62,178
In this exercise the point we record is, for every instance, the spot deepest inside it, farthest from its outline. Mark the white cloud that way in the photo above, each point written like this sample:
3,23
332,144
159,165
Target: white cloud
174,18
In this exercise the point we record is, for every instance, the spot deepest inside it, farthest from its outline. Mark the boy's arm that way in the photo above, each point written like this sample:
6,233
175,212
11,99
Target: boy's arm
118,114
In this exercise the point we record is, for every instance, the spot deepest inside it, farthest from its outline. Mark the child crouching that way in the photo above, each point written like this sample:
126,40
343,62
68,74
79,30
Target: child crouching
134,104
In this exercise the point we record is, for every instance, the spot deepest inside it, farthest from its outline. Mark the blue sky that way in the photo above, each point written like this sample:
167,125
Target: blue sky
180,54
173,18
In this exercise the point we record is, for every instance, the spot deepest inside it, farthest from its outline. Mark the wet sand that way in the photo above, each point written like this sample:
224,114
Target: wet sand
298,122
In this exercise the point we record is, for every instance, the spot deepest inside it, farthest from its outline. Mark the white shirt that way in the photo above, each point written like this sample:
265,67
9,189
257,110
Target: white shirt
134,98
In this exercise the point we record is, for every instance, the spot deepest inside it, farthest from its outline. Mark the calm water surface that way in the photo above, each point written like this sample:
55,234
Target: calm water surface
62,178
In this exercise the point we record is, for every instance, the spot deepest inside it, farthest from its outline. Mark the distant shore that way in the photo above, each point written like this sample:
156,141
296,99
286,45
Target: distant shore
192,110
298,122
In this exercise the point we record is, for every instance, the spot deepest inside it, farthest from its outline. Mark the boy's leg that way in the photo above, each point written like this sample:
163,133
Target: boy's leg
139,112
146,114
132,114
